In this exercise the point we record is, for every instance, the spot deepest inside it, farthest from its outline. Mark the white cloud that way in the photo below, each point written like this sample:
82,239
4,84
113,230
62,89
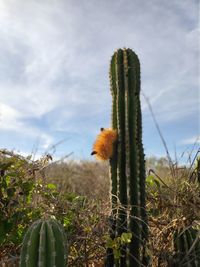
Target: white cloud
12,120
9,117
191,141
54,59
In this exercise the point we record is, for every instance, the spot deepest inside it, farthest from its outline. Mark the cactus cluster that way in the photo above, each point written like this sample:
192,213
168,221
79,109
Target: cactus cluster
44,245
127,165
187,247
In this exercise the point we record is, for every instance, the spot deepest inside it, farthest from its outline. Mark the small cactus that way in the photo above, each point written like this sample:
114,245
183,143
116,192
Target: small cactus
44,245
187,247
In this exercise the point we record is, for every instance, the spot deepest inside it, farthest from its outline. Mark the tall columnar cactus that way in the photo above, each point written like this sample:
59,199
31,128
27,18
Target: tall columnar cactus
44,245
198,170
187,247
127,166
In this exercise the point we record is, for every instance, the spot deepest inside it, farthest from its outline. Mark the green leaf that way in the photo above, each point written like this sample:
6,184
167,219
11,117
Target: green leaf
7,180
67,221
27,187
150,180
126,237
109,242
51,186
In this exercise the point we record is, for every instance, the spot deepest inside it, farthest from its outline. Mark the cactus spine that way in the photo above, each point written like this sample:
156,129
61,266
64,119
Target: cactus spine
187,247
127,164
44,245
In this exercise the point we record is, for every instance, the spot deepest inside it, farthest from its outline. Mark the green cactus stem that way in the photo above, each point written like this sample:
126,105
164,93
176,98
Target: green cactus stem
44,245
127,164
198,170
187,247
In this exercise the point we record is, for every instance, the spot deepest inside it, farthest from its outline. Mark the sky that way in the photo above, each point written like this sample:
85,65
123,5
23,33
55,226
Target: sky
54,64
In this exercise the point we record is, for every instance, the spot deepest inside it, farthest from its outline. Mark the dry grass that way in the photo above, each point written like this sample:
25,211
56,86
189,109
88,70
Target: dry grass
173,202
86,178
172,205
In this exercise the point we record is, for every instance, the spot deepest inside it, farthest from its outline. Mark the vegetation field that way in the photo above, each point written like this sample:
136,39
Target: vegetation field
77,194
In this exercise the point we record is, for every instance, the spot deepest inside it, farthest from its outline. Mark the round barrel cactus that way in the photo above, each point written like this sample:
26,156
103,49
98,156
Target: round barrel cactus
44,245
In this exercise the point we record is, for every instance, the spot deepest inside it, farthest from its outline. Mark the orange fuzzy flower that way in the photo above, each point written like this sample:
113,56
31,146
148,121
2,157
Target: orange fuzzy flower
103,146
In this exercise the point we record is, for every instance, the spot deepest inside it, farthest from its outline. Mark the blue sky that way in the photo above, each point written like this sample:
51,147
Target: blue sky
54,62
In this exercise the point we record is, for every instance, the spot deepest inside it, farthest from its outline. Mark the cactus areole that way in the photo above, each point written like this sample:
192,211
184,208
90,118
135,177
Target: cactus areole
127,165
44,245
